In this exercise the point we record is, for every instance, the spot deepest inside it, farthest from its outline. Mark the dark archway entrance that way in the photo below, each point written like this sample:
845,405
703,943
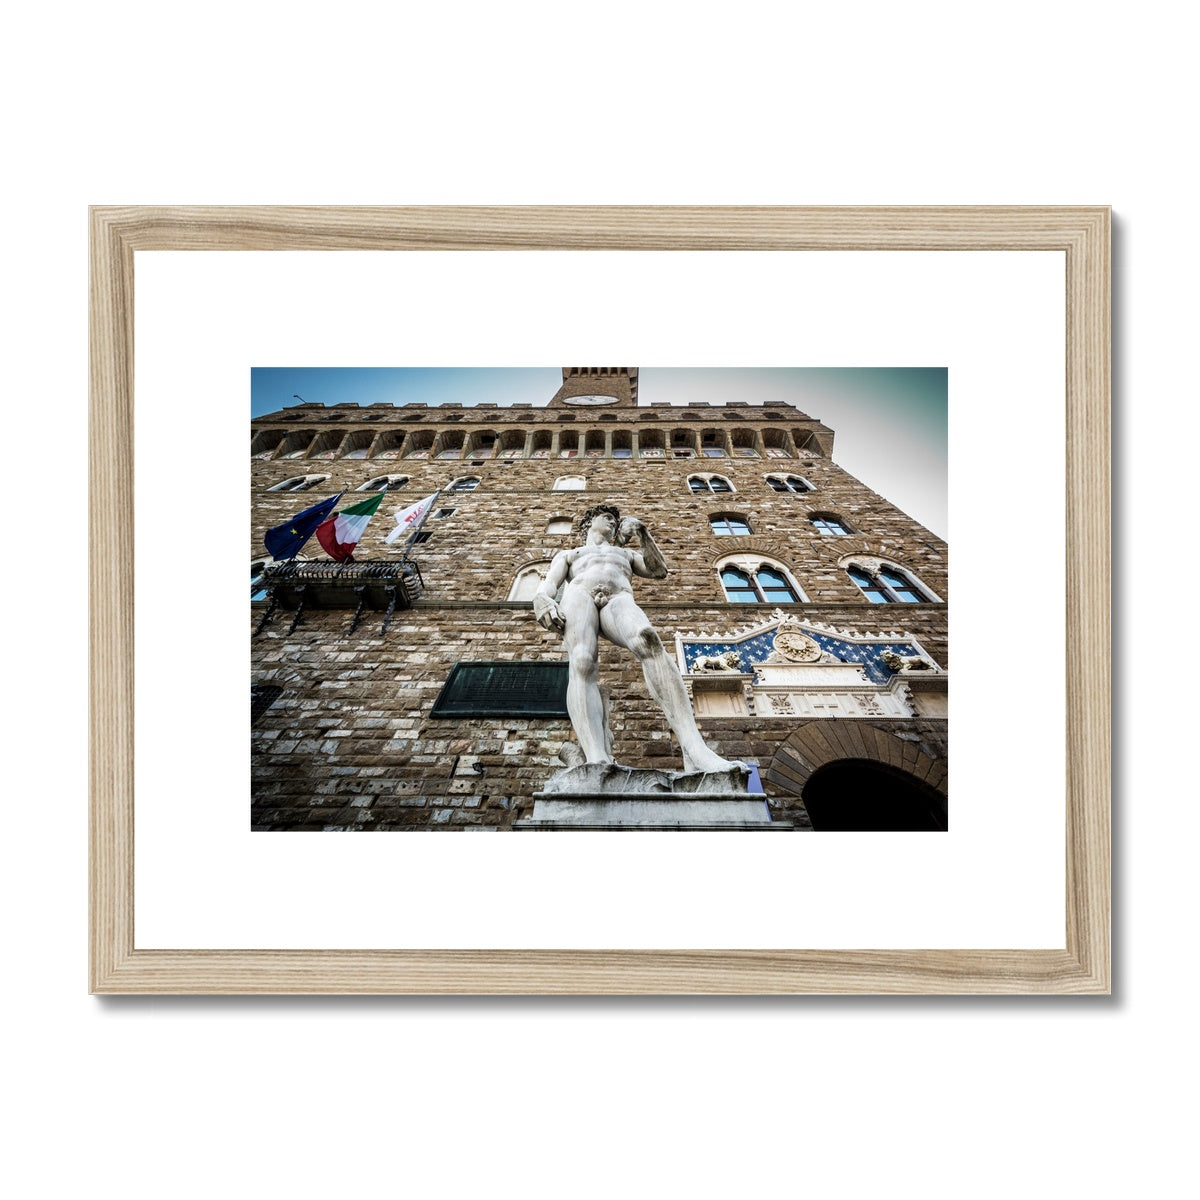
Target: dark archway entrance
862,796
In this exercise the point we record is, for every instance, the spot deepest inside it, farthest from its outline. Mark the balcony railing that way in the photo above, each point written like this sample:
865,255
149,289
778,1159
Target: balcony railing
382,587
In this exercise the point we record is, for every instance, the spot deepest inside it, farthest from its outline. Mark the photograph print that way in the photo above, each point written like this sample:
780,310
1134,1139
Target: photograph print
599,599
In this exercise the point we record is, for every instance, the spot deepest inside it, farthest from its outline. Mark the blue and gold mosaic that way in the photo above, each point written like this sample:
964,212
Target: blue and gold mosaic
754,650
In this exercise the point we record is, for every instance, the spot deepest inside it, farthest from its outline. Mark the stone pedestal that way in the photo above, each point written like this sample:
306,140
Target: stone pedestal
611,797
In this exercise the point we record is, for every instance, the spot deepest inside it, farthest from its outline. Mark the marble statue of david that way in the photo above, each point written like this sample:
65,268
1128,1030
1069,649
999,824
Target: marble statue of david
597,601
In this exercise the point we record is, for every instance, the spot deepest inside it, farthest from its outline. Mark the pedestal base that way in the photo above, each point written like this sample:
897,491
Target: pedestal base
611,797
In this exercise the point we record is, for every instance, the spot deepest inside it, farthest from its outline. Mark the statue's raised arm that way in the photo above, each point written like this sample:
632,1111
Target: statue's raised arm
647,561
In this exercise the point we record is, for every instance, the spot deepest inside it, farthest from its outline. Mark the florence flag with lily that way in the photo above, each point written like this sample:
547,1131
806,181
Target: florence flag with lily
341,533
409,518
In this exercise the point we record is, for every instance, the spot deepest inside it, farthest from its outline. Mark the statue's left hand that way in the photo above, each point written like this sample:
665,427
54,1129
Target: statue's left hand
628,529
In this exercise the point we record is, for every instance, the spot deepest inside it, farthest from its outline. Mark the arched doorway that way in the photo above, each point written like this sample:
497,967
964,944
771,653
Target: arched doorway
858,795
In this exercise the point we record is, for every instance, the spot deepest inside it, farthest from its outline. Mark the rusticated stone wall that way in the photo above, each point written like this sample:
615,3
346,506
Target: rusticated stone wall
350,743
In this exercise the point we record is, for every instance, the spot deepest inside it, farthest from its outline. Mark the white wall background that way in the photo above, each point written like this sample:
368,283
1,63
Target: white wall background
935,103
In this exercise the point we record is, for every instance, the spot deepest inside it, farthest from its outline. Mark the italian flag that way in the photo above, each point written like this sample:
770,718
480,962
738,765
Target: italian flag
343,531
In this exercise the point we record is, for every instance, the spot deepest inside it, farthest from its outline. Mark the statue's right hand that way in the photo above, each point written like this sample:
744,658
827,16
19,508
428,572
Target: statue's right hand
548,614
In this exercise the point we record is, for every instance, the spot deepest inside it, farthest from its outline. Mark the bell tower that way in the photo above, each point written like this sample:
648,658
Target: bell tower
597,387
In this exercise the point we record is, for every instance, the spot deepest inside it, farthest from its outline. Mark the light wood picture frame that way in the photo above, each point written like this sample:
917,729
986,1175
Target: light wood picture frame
1082,965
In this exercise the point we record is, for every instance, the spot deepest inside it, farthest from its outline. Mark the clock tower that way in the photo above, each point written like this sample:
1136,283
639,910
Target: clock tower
597,387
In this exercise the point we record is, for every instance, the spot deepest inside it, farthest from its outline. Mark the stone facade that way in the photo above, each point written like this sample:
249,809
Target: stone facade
349,741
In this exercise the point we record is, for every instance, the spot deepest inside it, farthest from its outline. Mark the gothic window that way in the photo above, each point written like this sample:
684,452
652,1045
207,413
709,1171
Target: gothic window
829,525
729,525
748,580
300,483
702,485
384,483
468,483
559,525
739,586
528,580
569,483
887,585
788,483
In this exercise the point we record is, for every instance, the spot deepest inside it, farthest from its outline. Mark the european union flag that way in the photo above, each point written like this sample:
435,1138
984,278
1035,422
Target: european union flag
285,541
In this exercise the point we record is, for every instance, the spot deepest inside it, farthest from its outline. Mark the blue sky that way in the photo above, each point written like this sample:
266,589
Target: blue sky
890,422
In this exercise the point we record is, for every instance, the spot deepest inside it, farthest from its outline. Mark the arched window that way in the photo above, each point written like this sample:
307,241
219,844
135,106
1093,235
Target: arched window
419,444
749,580
528,580
482,444
650,441
683,443
296,444
384,483
512,443
559,525
887,585
829,525
788,483
702,485
729,525
569,483
744,443
263,445
776,443
468,483
300,483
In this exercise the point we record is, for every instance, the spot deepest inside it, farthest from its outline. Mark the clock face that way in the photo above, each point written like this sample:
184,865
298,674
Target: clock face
591,400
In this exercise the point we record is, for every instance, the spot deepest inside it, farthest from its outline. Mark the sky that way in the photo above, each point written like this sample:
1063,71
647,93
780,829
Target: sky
890,423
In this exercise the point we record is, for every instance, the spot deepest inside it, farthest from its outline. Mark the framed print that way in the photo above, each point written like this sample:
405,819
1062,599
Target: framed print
688,600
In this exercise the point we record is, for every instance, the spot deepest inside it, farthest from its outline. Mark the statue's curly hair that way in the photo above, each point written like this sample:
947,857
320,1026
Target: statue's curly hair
585,522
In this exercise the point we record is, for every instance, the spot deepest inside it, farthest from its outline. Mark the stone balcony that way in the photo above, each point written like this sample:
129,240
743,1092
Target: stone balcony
381,587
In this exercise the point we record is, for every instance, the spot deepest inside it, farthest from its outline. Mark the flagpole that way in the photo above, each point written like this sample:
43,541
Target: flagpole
412,536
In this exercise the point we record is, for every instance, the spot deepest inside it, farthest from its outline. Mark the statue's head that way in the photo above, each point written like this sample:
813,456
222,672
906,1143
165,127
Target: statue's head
585,522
